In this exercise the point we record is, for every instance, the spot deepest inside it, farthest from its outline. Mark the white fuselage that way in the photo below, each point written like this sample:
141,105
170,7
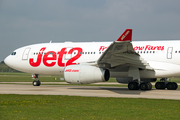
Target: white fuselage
51,58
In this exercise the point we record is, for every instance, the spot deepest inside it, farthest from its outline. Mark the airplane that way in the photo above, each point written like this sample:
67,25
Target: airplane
136,63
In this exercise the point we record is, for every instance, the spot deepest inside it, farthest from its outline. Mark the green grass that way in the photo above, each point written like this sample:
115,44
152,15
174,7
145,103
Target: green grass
14,73
69,107
26,77
48,107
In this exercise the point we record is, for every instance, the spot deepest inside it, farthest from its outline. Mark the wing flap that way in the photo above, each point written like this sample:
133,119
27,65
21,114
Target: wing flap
122,53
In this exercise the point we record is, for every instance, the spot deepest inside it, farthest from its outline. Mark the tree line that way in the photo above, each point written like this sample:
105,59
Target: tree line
5,68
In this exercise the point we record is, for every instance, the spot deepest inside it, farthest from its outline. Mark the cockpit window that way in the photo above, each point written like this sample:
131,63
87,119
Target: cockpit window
14,53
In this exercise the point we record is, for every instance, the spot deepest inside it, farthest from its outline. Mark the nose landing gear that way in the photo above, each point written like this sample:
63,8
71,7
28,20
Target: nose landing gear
36,82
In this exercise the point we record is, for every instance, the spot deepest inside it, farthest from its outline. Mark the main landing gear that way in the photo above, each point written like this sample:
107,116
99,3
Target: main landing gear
148,86
36,82
142,86
164,84
136,85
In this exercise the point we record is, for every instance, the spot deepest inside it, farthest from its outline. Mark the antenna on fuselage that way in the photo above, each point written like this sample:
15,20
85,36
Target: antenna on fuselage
50,41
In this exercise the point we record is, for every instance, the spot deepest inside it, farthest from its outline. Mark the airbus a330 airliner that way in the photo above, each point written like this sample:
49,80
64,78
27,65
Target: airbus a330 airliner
135,63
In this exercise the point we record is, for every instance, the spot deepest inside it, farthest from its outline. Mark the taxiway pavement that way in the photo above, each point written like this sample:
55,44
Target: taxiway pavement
93,91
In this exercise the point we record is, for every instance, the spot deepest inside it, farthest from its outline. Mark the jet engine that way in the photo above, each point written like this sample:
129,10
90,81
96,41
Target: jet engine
84,74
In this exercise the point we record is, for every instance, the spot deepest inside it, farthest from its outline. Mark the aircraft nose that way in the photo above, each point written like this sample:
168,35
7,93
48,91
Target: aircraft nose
7,61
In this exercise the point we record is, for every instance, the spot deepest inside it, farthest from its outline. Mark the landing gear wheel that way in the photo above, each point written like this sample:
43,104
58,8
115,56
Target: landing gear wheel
172,86
143,86
175,85
137,86
149,86
160,85
133,86
36,83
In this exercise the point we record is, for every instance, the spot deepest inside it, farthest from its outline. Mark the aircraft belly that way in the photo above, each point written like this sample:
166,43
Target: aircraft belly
143,74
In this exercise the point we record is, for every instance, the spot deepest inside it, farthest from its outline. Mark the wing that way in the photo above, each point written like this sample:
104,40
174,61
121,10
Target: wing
121,52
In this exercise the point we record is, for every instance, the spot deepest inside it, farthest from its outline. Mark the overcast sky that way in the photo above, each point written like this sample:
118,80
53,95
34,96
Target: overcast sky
24,22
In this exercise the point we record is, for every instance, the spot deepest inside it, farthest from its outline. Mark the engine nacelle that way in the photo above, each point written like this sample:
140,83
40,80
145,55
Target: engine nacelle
84,74
130,79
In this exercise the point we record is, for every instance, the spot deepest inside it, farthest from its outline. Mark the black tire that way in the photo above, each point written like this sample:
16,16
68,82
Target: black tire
137,86
149,86
170,86
175,85
163,85
39,83
133,86
160,85
36,83
143,86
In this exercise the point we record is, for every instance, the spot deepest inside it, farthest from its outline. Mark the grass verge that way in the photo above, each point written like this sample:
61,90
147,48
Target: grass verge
72,107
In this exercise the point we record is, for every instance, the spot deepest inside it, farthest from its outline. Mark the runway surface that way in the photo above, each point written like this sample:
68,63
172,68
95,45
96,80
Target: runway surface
93,91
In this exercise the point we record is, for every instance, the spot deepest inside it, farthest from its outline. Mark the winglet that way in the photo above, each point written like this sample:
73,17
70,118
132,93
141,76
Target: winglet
126,36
